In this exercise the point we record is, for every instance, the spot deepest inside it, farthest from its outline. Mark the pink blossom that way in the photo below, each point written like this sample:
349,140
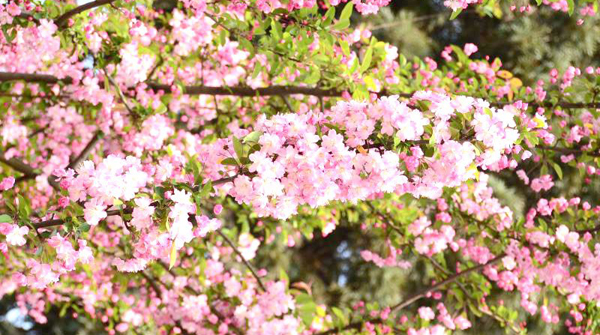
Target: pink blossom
94,212
16,235
7,183
470,49
543,183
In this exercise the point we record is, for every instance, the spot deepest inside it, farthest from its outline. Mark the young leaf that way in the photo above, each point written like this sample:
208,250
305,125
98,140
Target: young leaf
342,24
558,170
571,4
173,256
329,16
347,12
229,161
206,189
4,218
367,59
455,14
238,147
252,137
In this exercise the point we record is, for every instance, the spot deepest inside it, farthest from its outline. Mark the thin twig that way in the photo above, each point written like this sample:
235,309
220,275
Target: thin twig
120,93
568,150
287,103
86,151
248,265
322,104
412,298
126,210
448,280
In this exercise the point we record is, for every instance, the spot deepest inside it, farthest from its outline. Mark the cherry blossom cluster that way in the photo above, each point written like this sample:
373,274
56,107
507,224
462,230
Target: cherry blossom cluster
119,181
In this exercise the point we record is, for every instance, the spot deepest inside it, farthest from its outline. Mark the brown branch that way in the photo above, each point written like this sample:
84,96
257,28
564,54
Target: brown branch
26,96
250,92
33,78
126,210
120,93
19,166
62,20
152,283
448,280
589,230
569,150
86,151
30,173
243,91
287,104
248,265
562,104
192,90
28,16
389,221
414,297
27,171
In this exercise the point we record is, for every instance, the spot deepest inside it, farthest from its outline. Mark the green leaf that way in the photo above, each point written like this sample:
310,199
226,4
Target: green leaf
247,45
341,318
9,37
462,57
347,12
63,310
252,137
229,161
539,2
455,14
5,218
161,109
173,256
329,16
343,24
354,66
238,147
283,276
558,170
544,170
370,82
345,47
84,227
314,76
367,59
277,30
24,207
206,189
571,4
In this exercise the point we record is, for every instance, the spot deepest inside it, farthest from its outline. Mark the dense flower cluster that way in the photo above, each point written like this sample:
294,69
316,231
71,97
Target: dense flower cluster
148,157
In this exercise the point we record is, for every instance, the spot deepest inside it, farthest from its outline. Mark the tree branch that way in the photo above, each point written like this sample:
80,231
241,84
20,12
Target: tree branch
30,173
448,280
248,265
62,20
567,151
243,91
412,298
86,151
126,210
26,170
589,230
288,104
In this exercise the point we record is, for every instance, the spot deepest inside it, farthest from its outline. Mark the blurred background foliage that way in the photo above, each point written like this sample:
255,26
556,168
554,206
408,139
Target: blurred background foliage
528,45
